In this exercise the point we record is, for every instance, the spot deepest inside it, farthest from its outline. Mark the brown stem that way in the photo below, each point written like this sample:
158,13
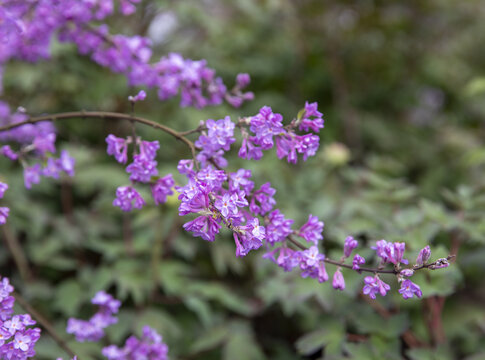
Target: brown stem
44,323
104,115
339,263
434,308
17,253
363,269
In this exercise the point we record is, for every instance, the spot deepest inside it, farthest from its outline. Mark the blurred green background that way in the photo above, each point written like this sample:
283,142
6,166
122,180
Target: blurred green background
402,89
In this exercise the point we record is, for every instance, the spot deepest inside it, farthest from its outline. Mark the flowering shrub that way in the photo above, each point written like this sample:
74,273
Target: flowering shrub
213,195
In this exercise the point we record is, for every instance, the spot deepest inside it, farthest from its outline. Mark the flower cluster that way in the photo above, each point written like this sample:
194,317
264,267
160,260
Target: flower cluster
27,29
267,129
142,170
149,347
38,140
215,141
93,329
17,338
205,195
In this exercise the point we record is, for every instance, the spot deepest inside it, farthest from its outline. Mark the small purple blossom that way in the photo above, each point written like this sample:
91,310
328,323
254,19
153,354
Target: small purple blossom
309,111
249,237
409,289
262,200
240,180
45,143
205,227
357,261
93,329
3,188
7,151
162,188
374,285
349,246
390,252
150,346
311,231
277,228
138,97
242,80
407,272
32,175
128,198
148,149
215,141
423,256
338,282
142,168
310,258
117,147
227,205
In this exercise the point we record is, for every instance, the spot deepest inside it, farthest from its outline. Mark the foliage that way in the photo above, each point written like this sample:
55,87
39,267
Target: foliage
401,88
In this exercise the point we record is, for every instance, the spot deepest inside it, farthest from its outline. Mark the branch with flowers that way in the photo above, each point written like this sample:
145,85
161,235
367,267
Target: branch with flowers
216,197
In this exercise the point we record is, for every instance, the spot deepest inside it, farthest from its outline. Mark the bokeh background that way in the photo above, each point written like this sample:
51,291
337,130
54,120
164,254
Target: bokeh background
402,89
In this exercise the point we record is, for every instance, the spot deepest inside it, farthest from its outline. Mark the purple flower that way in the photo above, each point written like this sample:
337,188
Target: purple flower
66,163
311,231
127,198
21,341
357,261
32,175
138,97
310,258
217,139
45,143
185,167
278,228
240,179
205,227
162,188
226,205
249,237
3,188
16,339
338,282
242,80
390,252
350,244
142,168
148,149
263,196
407,272
265,125
374,285
306,123
117,147
423,256
409,289
150,346
93,329
287,258
7,151
249,151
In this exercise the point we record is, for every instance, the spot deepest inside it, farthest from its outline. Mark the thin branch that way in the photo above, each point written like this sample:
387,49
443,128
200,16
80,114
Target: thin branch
103,115
44,323
372,270
17,253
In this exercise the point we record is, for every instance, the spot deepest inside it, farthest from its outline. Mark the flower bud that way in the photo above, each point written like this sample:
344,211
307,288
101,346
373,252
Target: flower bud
423,256
407,272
